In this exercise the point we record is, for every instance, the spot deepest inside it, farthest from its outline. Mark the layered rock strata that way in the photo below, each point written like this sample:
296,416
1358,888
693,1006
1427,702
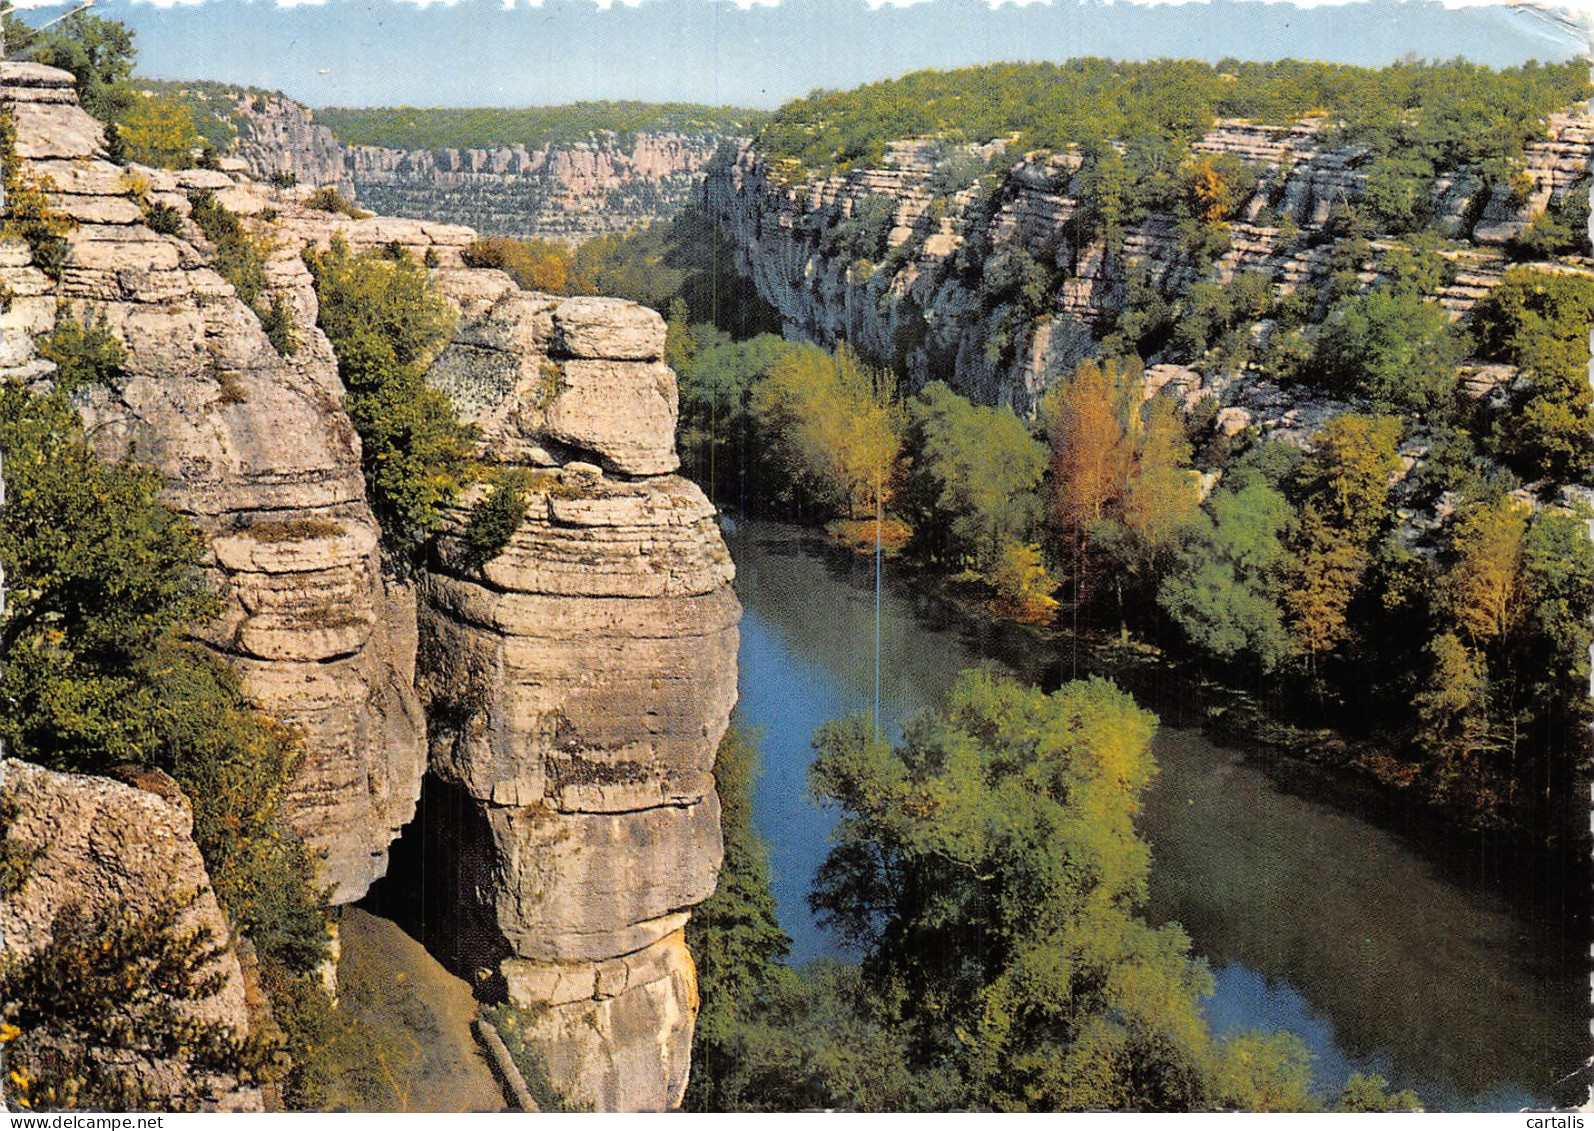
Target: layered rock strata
577,683
103,848
922,310
255,448
569,192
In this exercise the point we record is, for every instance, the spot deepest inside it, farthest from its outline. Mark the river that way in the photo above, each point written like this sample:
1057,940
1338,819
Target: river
1382,952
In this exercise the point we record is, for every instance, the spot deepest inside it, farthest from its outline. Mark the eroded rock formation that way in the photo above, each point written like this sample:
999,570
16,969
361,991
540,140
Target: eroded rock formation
102,847
577,684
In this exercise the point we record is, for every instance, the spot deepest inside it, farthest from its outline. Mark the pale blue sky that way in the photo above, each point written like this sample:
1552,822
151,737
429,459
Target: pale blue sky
487,52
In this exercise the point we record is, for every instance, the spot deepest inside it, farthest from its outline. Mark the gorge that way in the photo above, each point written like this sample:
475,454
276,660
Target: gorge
1290,467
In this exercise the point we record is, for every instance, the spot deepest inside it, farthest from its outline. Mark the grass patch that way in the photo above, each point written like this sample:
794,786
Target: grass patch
294,530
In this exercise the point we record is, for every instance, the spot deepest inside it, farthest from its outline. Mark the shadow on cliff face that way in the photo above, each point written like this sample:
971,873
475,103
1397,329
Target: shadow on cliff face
434,871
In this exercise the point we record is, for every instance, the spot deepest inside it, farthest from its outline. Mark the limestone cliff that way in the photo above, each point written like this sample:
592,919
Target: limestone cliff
568,192
577,685
278,137
565,191
921,307
255,448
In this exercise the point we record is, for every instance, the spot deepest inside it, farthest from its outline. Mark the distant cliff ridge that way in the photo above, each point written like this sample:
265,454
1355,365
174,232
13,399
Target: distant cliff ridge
566,190
915,302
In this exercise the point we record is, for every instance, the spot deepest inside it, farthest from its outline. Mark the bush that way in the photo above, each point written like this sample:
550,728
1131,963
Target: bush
328,199
241,260
511,1024
535,265
384,319
85,353
30,216
105,1015
158,130
277,322
494,520
240,253
865,233
163,219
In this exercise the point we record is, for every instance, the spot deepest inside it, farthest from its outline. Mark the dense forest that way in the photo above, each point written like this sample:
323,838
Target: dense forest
1434,115
404,127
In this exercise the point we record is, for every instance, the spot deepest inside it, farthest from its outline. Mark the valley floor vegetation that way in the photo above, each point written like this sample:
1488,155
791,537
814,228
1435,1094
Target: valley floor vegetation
988,869
1425,559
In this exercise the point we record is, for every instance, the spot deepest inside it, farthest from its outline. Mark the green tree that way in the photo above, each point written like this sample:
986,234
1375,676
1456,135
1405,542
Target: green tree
385,319
104,583
716,378
1393,347
1225,588
834,426
736,941
990,870
975,474
1539,322
98,51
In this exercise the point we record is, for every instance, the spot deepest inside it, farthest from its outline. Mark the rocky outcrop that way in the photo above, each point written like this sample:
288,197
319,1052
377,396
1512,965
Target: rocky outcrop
255,448
925,309
579,683
575,686
106,848
279,138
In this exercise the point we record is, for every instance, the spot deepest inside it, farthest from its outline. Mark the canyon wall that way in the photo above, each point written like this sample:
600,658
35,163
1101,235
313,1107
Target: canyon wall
922,307
569,192
555,711
566,192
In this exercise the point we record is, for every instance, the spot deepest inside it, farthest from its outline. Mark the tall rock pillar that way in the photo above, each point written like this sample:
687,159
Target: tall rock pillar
578,686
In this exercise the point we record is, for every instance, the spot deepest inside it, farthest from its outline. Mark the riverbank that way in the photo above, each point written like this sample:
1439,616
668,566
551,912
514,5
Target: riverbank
1187,691
1386,949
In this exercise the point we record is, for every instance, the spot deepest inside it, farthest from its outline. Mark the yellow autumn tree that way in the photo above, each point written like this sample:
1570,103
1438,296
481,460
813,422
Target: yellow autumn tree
835,428
1088,422
158,130
1345,508
1485,589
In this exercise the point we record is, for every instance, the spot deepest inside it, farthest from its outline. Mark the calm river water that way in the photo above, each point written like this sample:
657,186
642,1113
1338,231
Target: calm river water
1381,954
